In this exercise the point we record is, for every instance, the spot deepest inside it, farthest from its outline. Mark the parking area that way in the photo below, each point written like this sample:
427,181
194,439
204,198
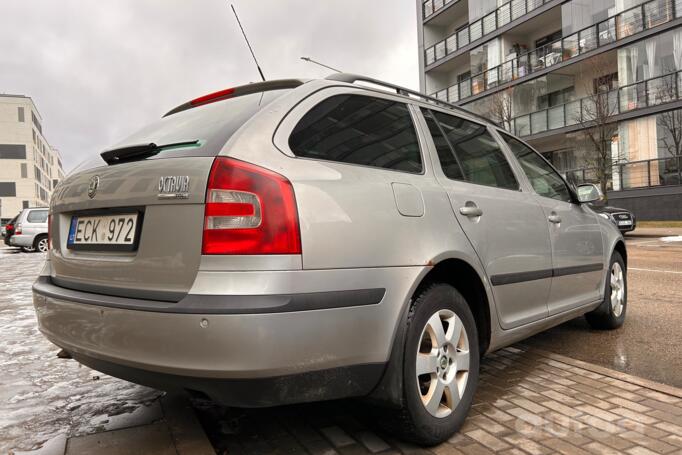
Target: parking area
569,390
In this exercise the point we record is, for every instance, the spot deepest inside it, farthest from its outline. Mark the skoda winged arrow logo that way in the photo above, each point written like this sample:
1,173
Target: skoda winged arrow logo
92,186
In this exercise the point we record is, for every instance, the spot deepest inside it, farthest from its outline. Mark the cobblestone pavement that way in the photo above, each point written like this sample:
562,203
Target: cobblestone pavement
528,402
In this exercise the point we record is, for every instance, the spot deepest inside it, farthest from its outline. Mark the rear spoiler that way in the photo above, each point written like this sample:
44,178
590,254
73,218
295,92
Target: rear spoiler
234,92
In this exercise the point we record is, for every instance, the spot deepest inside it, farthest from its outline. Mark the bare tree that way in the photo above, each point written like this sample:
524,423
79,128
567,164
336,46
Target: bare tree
666,91
596,113
499,108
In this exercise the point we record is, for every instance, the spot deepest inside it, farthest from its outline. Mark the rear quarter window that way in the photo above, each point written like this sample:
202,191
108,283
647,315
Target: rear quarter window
358,129
37,216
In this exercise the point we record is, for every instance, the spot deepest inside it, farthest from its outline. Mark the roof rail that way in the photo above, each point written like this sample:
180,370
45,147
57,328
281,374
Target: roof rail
350,78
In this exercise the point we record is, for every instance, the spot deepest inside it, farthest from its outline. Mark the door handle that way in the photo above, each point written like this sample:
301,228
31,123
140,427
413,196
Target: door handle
554,218
470,210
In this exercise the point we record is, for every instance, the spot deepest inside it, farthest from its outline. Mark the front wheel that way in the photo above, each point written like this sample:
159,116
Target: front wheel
611,313
440,366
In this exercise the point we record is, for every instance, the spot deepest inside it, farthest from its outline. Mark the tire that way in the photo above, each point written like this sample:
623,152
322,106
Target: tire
40,244
611,313
28,249
426,417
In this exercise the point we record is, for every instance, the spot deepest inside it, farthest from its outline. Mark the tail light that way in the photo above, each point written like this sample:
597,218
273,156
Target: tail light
49,231
17,230
249,210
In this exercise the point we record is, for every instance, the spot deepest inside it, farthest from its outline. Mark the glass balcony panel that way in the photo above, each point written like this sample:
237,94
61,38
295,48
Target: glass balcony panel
612,99
533,4
657,12
442,95
440,50
504,14
478,84
629,22
453,93
553,54
463,37
476,30
678,8
465,89
437,4
537,60
492,77
628,98
572,114
430,55
571,47
607,31
451,44
523,65
428,8
489,23
661,90
555,117
538,121
506,72
518,8
522,125
588,39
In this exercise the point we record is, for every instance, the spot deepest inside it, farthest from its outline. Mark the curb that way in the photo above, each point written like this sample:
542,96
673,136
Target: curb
646,383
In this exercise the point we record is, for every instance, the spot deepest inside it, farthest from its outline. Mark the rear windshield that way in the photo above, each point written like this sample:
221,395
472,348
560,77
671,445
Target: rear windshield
211,125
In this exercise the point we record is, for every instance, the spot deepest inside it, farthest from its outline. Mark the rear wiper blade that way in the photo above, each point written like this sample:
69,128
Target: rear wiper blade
138,151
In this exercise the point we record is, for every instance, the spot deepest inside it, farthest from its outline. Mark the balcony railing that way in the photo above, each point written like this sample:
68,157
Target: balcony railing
503,15
430,7
634,174
651,92
627,23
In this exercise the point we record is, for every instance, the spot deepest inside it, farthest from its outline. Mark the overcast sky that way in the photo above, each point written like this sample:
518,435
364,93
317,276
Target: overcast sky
98,70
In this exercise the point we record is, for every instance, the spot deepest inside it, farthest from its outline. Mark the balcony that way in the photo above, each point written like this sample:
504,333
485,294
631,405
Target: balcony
651,92
627,23
431,7
634,174
503,15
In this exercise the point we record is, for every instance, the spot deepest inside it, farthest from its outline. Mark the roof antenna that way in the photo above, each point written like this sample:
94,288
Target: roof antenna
310,60
247,42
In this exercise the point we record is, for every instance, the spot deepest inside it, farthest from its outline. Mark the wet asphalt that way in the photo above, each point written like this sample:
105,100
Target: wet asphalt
649,345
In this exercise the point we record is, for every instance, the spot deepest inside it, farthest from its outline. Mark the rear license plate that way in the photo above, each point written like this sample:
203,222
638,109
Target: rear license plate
625,223
104,232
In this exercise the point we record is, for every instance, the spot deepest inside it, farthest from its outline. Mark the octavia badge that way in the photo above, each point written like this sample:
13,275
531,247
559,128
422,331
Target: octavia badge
93,186
174,187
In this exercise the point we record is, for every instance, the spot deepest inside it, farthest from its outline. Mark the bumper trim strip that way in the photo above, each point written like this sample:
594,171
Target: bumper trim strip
219,304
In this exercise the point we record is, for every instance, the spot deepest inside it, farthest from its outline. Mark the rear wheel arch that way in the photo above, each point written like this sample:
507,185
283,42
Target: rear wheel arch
620,248
463,277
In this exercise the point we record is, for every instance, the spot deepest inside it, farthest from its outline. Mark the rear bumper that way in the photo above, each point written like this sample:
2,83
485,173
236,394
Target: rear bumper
21,240
284,347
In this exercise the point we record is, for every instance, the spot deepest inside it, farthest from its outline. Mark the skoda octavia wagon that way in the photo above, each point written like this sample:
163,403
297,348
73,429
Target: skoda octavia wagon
292,241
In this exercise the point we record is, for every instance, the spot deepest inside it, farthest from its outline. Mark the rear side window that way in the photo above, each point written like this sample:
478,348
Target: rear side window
359,129
37,216
471,148
543,178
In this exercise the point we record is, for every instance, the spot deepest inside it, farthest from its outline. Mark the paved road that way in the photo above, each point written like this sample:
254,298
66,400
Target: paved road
648,345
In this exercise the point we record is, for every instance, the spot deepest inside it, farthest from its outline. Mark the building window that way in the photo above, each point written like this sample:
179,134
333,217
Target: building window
36,122
8,189
24,171
13,151
20,114
24,204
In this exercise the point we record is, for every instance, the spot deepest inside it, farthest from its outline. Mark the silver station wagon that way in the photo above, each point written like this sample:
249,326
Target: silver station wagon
300,240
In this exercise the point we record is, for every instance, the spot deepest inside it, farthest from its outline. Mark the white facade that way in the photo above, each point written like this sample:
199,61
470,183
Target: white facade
29,167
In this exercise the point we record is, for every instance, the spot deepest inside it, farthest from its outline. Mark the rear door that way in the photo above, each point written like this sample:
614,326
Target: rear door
154,204
505,224
35,222
577,248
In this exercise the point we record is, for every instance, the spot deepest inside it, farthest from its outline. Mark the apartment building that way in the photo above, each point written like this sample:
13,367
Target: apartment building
29,167
594,85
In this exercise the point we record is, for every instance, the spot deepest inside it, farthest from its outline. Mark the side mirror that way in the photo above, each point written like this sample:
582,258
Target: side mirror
589,192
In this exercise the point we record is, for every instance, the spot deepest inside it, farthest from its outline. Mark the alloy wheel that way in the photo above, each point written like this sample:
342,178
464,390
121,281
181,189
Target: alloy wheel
442,363
617,289
42,245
